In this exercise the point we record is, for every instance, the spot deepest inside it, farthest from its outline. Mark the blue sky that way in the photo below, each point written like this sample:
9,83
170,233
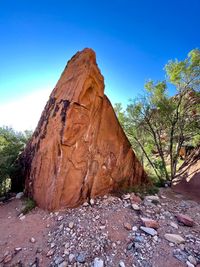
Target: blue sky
133,40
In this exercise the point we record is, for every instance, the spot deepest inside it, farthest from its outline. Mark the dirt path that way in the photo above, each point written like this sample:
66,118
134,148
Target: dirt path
108,229
16,233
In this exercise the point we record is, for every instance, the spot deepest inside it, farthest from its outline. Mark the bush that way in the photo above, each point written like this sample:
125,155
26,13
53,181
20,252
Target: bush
12,144
29,205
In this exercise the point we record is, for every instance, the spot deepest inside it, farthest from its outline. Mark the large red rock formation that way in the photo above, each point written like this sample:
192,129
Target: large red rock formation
78,150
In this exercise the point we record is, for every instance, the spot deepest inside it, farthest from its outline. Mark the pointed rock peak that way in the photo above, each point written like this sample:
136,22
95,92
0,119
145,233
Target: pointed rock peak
78,150
87,55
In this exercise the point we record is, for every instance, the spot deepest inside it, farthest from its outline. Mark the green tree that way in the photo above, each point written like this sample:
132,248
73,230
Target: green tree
11,145
157,124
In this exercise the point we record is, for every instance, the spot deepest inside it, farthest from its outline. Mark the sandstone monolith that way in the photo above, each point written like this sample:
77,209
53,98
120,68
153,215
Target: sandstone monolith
78,150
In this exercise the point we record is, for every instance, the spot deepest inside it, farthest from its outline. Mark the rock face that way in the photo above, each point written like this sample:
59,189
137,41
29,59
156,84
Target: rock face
188,178
78,150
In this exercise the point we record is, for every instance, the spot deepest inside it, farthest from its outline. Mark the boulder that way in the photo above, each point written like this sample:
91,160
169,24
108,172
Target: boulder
150,223
78,150
185,219
174,238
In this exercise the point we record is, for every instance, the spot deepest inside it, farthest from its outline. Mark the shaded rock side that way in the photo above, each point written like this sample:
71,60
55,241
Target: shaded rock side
188,177
78,150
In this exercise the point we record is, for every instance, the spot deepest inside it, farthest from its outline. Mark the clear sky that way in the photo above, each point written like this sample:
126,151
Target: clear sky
133,40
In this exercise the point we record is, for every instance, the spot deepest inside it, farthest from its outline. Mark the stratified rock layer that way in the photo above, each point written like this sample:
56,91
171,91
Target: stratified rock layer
78,150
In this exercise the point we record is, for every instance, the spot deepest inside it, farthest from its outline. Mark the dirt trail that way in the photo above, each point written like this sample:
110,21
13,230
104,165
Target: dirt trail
108,229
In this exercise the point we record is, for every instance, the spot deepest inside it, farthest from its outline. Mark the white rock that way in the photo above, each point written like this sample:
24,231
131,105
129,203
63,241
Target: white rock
19,195
60,218
174,225
92,201
135,207
155,238
134,228
192,260
152,198
177,239
98,263
63,264
71,225
127,196
22,217
71,257
52,245
32,240
121,264
50,252
18,249
67,245
189,264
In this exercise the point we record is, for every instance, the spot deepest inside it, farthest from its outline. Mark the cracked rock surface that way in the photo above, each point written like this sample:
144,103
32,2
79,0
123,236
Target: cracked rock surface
78,150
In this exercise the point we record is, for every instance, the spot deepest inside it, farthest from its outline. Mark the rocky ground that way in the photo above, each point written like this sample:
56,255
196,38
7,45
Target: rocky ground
158,231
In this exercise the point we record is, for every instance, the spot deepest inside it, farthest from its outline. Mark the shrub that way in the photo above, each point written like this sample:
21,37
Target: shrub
12,144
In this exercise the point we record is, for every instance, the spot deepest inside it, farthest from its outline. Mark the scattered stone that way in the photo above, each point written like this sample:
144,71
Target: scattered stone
58,260
135,207
139,239
127,196
185,219
60,218
71,257
152,198
134,228
180,255
155,238
85,204
189,264
7,258
192,260
150,223
136,199
80,258
148,230
32,240
129,246
98,262
18,249
71,225
92,202
174,225
67,245
127,226
121,264
63,264
52,245
22,217
50,252
174,238
19,195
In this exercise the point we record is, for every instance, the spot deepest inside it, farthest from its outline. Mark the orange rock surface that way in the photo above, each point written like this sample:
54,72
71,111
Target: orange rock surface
78,150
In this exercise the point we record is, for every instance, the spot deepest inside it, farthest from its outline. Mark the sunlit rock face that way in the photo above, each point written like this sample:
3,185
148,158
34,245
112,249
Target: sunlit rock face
78,150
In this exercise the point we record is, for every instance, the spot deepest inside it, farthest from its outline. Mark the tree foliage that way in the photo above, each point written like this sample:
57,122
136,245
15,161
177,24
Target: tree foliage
157,124
11,145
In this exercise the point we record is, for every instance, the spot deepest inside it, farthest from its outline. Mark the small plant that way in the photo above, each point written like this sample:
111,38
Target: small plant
29,205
